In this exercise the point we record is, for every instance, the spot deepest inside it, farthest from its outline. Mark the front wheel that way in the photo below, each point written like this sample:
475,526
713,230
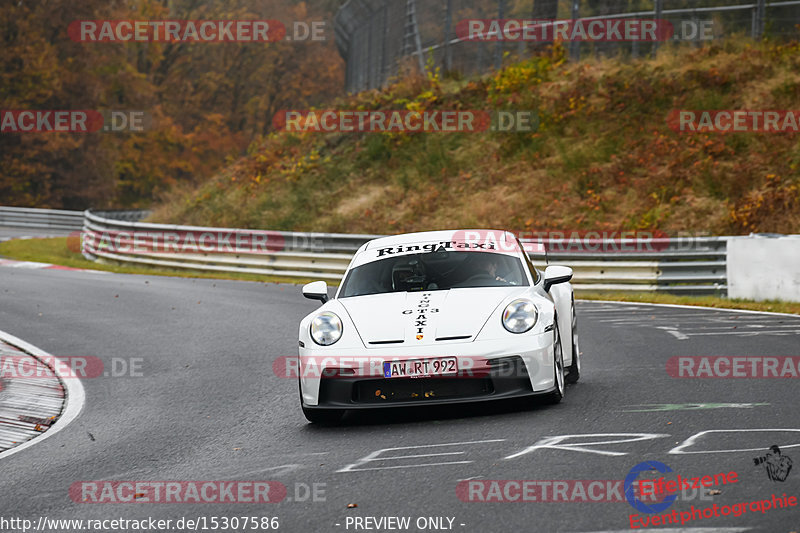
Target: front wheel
323,417
558,366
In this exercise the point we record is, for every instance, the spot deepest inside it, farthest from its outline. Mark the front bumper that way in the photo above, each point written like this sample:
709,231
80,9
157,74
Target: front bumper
497,370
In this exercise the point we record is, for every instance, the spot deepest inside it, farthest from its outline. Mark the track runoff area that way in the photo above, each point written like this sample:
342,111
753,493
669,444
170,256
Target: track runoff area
615,455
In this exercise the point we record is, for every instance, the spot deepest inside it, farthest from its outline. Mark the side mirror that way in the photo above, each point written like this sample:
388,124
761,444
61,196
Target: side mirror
555,275
317,290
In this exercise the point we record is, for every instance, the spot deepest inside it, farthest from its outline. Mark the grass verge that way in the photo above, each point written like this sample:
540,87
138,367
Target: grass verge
607,154
57,252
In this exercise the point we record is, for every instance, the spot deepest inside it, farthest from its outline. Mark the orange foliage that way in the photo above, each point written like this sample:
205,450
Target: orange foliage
206,102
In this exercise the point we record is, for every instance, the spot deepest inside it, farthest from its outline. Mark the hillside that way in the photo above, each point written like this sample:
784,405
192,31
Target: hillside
604,156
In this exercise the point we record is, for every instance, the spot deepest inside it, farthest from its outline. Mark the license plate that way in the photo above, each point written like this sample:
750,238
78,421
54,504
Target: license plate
415,368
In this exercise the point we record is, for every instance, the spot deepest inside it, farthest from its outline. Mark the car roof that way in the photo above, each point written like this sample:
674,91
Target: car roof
442,235
478,240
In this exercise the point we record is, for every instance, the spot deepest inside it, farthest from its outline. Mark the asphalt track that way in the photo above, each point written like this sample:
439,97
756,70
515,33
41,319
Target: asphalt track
204,404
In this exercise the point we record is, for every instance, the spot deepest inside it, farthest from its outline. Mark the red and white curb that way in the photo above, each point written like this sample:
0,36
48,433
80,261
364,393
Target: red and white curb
683,530
33,409
33,265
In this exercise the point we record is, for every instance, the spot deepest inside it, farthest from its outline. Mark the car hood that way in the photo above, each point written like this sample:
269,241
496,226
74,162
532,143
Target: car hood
425,318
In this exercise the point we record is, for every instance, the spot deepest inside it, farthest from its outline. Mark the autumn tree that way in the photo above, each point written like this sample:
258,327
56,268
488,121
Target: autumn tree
205,102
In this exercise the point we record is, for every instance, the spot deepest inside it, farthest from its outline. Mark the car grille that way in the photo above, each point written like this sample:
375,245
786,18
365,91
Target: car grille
419,389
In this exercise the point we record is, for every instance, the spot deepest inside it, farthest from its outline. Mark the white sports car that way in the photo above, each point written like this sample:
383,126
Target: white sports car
434,318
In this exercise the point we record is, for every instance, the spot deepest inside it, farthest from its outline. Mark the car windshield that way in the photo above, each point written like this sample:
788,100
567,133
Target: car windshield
439,270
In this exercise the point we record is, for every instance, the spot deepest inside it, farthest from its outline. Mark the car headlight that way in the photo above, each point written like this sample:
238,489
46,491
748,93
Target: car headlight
326,329
520,316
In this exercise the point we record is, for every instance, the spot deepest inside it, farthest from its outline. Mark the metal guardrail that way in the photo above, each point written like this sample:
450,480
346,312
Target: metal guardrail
276,253
23,217
685,266
689,266
129,215
28,217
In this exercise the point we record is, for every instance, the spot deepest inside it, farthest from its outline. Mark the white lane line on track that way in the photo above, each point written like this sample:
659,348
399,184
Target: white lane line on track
377,457
731,326
678,306
705,317
674,332
678,450
712,317
73,388
276,470
746,333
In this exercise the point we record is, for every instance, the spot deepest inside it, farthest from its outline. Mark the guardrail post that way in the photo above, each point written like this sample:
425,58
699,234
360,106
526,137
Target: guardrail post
448,23
498,51
575,46
481,49
658,8
544,10
384,28
759,15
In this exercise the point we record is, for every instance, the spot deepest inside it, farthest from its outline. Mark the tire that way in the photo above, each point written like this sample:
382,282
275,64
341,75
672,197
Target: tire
558,364
575,368
323,417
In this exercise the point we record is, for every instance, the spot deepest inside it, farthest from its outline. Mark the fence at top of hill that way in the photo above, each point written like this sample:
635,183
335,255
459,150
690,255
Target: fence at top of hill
381,39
